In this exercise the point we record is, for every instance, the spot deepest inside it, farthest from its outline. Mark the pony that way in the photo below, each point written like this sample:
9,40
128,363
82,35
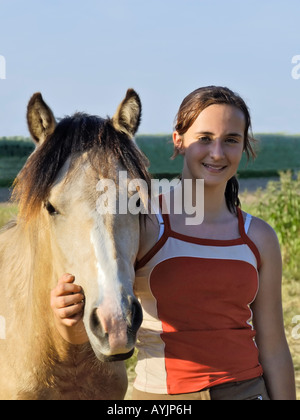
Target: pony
58,229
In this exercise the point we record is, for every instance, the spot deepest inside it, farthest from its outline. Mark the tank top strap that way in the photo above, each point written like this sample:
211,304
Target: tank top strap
241,222
244,225
165,216
244,228
247,223
157,211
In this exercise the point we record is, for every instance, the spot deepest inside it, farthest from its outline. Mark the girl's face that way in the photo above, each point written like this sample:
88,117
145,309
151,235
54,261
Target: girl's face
213,145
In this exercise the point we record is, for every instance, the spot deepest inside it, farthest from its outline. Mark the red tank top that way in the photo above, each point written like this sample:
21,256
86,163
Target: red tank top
196,296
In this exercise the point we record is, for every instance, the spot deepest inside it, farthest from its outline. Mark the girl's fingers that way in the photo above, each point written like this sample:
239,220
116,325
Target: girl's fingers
74,320
66,286
66,278
70,311
69,300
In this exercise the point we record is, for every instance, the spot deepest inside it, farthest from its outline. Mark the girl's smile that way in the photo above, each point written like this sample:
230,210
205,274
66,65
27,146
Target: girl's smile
214,169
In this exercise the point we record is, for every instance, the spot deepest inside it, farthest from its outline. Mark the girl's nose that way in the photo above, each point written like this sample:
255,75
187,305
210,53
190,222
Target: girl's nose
216,151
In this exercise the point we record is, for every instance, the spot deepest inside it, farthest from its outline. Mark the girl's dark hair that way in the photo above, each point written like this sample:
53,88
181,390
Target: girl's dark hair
189,111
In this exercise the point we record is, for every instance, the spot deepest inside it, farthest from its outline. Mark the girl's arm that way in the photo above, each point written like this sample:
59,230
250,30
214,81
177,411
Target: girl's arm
268,321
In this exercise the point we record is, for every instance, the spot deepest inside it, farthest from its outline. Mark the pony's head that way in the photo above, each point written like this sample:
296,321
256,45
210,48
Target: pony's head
58,189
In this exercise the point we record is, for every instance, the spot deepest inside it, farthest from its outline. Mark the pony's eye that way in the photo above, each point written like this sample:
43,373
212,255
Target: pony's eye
50,209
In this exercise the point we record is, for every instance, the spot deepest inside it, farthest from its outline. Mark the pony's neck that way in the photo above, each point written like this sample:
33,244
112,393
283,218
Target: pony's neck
27,268
30,276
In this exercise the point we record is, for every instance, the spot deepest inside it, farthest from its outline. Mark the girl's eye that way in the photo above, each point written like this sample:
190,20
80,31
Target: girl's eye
232,140
204,139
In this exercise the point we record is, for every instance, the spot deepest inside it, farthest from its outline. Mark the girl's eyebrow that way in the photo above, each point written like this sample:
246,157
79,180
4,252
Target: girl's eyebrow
235,135
208,133
204,133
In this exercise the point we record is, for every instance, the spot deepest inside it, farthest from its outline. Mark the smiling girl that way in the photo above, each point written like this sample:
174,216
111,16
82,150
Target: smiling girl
211,294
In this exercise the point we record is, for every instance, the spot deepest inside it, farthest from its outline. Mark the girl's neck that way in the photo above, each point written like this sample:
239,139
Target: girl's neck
215,208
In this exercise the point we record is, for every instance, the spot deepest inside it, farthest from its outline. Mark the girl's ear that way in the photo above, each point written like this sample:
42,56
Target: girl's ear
178,143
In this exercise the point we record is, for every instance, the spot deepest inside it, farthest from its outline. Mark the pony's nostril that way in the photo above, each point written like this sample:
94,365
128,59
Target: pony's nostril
136,317
96,326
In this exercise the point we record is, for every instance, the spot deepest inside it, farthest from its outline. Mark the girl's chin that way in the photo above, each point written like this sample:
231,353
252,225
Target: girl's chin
211,176
215,179
220,175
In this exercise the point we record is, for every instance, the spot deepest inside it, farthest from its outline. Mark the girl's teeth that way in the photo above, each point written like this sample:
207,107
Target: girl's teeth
216,168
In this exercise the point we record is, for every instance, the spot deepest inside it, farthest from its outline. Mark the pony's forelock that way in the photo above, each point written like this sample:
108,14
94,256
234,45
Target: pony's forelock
72,137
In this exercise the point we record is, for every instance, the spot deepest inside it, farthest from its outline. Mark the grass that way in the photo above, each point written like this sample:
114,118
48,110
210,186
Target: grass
7,212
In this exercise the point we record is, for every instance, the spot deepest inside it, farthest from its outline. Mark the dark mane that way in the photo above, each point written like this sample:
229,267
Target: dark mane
73,136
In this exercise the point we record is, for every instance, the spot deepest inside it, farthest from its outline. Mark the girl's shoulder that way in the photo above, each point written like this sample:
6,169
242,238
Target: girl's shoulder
264,237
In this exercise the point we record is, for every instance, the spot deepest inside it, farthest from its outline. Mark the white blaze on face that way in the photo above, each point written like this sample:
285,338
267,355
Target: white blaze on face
109,299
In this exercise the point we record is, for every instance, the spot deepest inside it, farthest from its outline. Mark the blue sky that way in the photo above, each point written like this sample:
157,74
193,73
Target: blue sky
83,55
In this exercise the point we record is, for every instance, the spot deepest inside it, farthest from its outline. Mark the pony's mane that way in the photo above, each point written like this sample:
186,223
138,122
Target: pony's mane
73,136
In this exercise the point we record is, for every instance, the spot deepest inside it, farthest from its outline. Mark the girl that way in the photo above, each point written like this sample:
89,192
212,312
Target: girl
211,294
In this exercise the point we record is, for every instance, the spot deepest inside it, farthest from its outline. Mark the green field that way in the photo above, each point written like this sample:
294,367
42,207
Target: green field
9,168
276,152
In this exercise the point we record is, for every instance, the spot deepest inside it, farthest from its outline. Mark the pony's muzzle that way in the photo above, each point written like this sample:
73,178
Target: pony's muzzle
116,329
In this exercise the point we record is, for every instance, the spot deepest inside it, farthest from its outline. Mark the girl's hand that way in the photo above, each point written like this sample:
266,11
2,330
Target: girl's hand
67,303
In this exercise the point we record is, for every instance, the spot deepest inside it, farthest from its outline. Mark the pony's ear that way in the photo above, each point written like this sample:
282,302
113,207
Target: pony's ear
128,116
40,119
